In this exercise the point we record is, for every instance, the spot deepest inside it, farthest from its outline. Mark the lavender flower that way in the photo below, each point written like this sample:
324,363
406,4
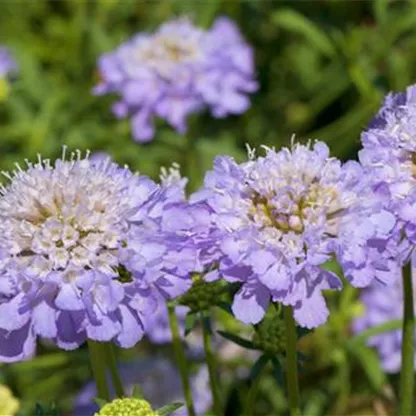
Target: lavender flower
277,219
383,304
389,153
176,71
7,63
160,383
85,253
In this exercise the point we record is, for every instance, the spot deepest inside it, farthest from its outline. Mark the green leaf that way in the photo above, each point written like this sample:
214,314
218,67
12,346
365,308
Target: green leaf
295,22
137,392
370,363
245,343
225,307
100,402
206,322
259,365
278,371
380,10
169,408
363,336
190,322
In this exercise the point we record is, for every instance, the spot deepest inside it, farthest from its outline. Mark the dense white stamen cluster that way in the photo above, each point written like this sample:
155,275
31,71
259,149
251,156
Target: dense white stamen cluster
169,47
65,217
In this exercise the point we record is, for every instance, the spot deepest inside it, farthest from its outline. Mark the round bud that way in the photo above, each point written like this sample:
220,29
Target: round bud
127,407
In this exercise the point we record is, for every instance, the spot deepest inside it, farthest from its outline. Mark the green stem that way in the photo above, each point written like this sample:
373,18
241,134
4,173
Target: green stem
252,394
408,345
112,365
210,359
291,362
181,360
98,365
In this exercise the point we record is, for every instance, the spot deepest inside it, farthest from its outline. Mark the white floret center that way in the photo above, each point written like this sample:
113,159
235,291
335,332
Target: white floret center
71,216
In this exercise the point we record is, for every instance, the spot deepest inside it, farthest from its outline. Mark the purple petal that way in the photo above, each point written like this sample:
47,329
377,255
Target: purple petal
17,345
250,303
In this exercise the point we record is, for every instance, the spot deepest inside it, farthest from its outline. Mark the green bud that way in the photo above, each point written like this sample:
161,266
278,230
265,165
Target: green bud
202,295
270,336
127,407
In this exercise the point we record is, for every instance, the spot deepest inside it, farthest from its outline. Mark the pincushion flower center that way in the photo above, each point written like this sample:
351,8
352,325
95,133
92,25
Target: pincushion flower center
292,212
163,49
70,218
412,164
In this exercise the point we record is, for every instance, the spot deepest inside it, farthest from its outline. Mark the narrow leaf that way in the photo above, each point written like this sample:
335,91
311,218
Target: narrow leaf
278,371
259,365
295,22
137,392
245,343
370,363
190,322
169,408
100,402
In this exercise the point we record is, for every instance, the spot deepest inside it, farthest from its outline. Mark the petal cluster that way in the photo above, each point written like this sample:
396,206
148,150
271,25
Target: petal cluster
277,219
85,253
177,70
383,304
389,153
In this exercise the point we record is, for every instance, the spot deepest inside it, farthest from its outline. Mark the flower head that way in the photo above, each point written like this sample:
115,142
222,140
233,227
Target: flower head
389,152
277,219
383,304
85,253
178,70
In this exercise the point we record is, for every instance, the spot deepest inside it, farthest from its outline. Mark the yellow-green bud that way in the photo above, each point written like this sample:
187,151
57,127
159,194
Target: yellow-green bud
127,407
9,405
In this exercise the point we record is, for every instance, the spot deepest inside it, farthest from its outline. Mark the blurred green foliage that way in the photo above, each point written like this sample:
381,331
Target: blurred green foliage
323,68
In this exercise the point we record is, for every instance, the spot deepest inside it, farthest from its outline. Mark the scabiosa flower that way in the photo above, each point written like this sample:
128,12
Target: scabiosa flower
277,219
389,152
84,253
383,304
178,70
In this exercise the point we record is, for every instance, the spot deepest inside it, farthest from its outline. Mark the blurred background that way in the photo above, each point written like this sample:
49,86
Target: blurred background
323,69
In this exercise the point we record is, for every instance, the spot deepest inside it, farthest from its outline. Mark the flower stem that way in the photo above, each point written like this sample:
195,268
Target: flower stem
252,394
112,365
98,355
408,345
181,360
210,359
291,362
